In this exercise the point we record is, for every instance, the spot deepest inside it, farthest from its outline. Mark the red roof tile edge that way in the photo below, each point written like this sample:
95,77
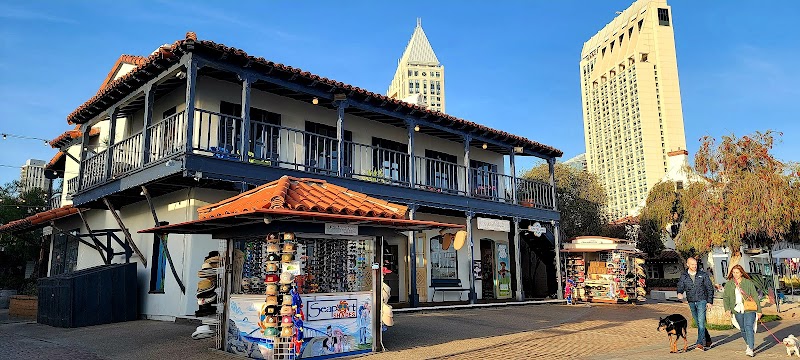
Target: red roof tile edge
191,40
38,218
71,134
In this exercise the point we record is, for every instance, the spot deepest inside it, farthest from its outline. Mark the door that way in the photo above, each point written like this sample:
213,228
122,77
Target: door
390,257
487,268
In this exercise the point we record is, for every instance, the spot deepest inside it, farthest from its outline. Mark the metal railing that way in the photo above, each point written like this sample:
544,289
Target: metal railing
376,164
218,135
94,169
439,176
71,186
126,155
532,193
492,185
167,137
55,201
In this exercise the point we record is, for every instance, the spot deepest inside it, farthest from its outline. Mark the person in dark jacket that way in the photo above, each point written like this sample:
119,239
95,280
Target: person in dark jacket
700,295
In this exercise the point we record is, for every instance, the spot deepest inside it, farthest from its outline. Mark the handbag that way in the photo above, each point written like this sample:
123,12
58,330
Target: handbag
749,304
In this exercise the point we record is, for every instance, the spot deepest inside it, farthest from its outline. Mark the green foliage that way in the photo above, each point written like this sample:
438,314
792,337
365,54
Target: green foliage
18,248
715,327
376,175
751,197
580,197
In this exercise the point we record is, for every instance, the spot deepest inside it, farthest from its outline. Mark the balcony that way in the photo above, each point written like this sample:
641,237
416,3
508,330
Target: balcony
219,136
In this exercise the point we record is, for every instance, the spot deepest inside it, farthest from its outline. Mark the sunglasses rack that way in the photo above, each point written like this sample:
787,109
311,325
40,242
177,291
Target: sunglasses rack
335,265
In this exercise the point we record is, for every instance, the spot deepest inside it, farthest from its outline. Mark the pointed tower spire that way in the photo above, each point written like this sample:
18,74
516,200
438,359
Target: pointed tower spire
419,77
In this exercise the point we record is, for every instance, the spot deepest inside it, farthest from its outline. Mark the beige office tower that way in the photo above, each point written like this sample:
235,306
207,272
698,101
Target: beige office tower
632,115
419,77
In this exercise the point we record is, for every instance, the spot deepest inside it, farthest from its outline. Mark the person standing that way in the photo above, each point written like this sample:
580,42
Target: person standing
700,295
738,290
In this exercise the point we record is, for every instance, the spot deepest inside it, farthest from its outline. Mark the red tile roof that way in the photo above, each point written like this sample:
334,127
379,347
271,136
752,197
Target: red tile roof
123,59
304,195
149,69
39,219
57,162
70,135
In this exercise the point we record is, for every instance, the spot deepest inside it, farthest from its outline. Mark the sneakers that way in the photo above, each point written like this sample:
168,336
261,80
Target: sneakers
749,352
700,347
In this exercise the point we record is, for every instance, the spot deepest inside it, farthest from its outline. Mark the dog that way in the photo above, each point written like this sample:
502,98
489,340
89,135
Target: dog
791,346
674,324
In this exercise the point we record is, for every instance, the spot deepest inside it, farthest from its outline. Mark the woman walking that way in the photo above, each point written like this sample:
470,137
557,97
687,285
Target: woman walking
741,299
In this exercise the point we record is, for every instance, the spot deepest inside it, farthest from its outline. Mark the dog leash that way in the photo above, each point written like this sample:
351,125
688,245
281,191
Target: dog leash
769,331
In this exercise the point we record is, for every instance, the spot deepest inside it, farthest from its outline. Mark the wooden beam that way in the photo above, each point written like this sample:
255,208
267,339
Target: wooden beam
125,231
161,239
106,259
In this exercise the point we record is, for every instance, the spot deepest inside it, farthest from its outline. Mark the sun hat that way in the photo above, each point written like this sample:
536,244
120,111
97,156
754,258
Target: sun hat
271,332
272,289
447,240
273,257
213,260
272,238
287,258
273,248
271,300
288,236
285,299
287,331
387,318
460,239
286,309
270,321
202,332
271,267
205,285
271,278
209,300
285,288
288,247
286,277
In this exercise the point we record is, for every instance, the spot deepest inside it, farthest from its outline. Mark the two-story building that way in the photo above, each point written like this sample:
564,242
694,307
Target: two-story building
197,122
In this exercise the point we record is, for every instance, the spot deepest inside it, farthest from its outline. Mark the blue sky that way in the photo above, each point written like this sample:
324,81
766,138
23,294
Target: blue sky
510,65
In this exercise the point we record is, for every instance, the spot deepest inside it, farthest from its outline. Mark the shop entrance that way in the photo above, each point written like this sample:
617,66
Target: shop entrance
390,258
487,268
537,262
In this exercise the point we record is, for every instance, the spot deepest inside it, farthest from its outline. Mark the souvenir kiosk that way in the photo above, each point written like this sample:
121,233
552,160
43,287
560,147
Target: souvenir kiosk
301,277
605,270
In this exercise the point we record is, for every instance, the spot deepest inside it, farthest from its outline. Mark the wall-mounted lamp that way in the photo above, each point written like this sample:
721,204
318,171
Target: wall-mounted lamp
315,101
485,146
416,128
180,75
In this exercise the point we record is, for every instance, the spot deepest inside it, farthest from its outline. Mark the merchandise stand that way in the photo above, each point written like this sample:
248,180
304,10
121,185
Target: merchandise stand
603,270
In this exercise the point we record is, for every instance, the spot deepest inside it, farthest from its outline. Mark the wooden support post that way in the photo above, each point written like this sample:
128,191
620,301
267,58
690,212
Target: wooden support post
513,176
467,176
473,297
377,301
81,164
518,262
413,300
125,231
161,239
551,165
412,168
340,136
108,256
111,139
245,131
191,89
149,98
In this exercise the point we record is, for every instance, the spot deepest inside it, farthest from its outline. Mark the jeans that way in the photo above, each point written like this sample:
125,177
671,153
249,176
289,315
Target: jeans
746,322
698,309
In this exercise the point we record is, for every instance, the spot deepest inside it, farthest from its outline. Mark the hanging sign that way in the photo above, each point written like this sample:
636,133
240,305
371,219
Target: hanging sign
537,229
494,224
341,229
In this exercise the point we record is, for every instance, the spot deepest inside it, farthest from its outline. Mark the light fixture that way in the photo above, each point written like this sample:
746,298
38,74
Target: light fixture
416,128
180,75
485,146
4,136
267,220
315,101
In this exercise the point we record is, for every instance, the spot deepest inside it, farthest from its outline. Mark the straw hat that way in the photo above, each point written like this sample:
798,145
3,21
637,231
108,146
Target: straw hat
271,300
273,248
288,236
205,285
271,267
271,332
447,240
287,331
271,309
285,288
286,321
289,248
270,321
286,277
209,300
286,309
272,238
460,239
202,332
273,257
387,318
287,258
286,299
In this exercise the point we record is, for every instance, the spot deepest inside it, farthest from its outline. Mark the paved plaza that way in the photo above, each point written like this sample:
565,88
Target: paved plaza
513,332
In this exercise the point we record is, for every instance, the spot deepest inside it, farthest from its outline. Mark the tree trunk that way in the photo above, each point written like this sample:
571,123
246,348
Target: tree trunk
736,255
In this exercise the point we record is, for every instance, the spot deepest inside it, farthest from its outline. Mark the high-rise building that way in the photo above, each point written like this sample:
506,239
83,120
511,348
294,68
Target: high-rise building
578,162
631,99
419,72
32,175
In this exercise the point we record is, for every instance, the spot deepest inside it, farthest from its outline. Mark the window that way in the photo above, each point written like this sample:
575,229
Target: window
630,32
390,159
620,38
228,136
640,24
321,148
442,171
444,263
484,179
663,17
65,253
158,270
264,132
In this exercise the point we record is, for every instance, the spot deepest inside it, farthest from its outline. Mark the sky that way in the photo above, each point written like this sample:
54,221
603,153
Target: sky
511,65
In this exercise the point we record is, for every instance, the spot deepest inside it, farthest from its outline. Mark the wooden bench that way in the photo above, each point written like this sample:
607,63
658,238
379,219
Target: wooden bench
444,285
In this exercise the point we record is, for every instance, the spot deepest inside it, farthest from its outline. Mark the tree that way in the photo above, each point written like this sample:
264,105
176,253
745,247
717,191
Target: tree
18,248
580,198
751,197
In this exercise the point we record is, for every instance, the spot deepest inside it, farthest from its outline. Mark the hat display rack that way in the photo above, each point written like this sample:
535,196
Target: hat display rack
207,294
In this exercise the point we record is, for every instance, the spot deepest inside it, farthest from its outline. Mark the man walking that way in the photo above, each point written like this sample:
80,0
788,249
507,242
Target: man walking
700,295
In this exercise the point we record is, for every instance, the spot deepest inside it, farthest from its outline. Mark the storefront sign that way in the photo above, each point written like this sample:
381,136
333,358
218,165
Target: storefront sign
341,229
494,224
332,309
503,272
537,229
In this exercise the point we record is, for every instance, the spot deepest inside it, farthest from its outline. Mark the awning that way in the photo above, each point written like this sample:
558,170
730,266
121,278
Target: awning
599,249
38,220
305,200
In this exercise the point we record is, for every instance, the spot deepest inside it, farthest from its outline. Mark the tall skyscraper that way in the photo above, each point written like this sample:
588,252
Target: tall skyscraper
419,73
631,99
32,175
